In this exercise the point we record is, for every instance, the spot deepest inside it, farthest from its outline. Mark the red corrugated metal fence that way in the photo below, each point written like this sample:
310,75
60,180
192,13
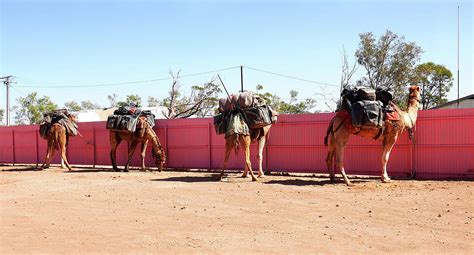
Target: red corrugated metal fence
444,146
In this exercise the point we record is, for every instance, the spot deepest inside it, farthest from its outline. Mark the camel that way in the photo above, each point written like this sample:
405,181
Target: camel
340,128
234,141
57,139
142,135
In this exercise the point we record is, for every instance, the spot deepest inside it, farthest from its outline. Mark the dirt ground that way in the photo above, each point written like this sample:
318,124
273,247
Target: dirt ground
96,211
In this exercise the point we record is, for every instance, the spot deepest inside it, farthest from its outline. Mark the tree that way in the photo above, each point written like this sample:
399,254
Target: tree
153,102
32,107
291,107
1,116
436,81
89,105
136,99
389,62
113,100
73,106
201,102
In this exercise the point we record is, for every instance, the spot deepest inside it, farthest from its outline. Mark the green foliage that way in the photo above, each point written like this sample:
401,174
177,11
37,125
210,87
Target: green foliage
72,106
389,62
291,107
436,81
136,99
153,102
32,107
89,105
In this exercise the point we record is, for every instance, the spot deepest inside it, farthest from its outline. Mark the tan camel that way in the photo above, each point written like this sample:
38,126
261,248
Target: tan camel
341,128
57,139
142,135
234,141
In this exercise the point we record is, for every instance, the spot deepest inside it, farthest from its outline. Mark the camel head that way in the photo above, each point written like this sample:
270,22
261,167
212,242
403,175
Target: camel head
72,117
160,157
414,94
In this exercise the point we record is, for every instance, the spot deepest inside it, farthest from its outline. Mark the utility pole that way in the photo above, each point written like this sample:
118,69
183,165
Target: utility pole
6,81
458,58
241,78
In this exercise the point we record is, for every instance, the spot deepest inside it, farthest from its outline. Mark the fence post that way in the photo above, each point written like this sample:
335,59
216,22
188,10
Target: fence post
13,146
94,147
267,145
37,150
209,144
166,145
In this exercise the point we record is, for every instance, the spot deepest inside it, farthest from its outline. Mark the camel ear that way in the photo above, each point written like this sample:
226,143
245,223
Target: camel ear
417,88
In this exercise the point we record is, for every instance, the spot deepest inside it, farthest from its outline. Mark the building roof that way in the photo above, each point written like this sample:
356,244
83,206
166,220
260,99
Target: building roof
469,97
102,114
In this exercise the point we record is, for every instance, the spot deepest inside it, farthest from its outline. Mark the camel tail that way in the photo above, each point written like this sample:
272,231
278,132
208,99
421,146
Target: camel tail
236,144
328,131
56,140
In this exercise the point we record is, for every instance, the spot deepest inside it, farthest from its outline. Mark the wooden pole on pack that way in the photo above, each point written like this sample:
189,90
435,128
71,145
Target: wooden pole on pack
241,78
227,92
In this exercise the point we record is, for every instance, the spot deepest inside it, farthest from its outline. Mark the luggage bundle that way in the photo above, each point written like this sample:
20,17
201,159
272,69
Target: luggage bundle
255,114
57,116
367,106
126,119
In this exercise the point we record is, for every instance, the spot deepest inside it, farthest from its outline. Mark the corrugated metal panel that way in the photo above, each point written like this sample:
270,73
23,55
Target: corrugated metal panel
444,146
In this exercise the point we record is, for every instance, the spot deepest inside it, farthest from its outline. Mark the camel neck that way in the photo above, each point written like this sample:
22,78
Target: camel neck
412,111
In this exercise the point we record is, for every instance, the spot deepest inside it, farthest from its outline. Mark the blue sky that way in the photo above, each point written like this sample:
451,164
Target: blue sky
94,42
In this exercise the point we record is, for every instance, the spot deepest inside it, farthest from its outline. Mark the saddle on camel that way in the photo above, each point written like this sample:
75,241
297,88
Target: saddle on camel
368,113
244,119
56,127
136,126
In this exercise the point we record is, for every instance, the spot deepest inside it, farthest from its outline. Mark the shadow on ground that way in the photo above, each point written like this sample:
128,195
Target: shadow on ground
306,182
26,169
206,178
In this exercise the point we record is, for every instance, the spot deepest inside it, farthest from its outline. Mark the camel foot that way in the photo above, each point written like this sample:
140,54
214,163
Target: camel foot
348,183
254,179
244,175
332,179
125,170
222,179
261,175
386,179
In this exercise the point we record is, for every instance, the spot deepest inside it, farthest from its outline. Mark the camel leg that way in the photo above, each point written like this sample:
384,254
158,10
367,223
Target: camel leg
131,150
229,145
114,143
246,144
142,154
261,145
49,154
62,150
340,163
387,148
246,171
330,161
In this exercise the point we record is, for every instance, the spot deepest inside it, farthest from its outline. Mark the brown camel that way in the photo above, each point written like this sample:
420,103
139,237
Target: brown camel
340,128
57,139
234,141
143,134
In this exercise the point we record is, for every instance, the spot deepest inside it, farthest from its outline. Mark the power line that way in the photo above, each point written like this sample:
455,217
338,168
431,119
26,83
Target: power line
291,77
130,82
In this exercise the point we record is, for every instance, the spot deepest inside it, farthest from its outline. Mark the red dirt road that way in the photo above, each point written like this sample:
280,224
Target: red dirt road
54,211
